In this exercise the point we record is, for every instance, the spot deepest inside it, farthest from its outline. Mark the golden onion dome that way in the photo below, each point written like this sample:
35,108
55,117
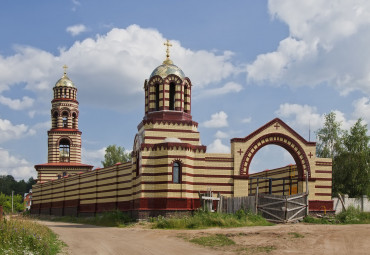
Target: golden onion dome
166,69
64,81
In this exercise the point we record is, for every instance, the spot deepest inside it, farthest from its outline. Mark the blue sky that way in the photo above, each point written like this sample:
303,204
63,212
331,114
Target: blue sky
249,62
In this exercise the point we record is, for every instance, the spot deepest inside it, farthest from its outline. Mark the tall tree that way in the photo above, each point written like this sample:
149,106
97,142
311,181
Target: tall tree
329,141
352,164
115,154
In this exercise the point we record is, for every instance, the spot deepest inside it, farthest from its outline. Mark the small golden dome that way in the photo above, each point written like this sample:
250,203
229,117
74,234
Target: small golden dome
166,69
64,81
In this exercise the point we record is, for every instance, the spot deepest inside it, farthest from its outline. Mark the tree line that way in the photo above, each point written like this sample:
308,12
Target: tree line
9,184
350,153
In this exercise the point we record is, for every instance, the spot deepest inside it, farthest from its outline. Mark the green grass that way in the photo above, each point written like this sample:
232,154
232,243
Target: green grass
201,219
295,235
23,236
350,216
257,249
106,219
213,240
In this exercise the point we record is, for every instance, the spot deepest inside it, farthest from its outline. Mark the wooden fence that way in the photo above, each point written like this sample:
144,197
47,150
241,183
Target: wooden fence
233,204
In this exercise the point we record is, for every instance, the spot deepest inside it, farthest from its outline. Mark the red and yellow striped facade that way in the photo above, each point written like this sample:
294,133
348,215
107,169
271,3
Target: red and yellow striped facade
170,166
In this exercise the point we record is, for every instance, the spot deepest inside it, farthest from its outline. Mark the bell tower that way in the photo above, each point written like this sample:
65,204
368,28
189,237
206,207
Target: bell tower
64,137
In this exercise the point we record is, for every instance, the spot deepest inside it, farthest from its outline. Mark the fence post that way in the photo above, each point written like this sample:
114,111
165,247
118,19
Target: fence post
1,212
256,198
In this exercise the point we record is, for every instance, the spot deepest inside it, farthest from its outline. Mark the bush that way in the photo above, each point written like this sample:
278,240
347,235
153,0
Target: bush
353,216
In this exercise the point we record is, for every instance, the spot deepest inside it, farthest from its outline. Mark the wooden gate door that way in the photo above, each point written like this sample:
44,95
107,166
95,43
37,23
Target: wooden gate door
282,209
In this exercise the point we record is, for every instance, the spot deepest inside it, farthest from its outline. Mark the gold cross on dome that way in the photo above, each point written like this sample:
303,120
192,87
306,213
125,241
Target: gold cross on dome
168,44
65,69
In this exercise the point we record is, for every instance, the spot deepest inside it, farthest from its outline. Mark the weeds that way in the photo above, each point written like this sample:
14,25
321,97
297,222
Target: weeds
106,219
350,216
213,240
22,236
296,235
202,219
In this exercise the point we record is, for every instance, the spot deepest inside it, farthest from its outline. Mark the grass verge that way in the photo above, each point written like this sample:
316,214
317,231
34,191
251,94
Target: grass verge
106,219
23,236
213,240
351,216
201,219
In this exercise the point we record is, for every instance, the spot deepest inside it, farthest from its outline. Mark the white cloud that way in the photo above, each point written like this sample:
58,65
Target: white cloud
17,104
111,68
229,87
219,134
301,117
93,157
76,29
247,120
362,109
219,119
17,167
8,131
218,147
326,44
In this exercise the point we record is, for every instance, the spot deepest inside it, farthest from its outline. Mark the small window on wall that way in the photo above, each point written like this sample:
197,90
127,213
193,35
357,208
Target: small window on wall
59,176
176,172
64,147
137,163
64,174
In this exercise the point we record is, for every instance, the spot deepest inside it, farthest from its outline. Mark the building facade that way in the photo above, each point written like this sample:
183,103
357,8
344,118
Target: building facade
170,166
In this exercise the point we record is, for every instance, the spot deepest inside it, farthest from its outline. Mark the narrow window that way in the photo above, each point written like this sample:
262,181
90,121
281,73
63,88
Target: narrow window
64,174
65,119
137,163
157,97
176,172
64,147
59,176
172,95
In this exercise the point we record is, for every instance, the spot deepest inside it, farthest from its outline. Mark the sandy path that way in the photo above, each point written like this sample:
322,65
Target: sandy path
86,239
312,239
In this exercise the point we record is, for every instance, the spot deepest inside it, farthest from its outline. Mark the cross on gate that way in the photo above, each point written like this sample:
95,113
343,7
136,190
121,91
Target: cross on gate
277,125
310,154
240,151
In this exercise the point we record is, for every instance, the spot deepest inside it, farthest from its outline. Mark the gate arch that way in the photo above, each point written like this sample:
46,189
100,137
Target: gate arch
282,140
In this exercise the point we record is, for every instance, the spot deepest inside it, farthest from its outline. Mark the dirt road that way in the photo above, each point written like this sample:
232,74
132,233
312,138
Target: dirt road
279,239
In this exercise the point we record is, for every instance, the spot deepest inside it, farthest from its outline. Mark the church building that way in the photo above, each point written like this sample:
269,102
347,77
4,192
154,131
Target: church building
169,165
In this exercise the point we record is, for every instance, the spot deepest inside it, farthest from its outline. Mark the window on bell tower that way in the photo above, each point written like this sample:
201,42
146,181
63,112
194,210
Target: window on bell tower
65,119
64,149
172,95
176,172
74,120
157,97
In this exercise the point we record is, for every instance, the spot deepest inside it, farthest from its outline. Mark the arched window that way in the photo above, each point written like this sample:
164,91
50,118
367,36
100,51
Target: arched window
176,172
157,97
172,95
64,174
65,119
59,176
64,147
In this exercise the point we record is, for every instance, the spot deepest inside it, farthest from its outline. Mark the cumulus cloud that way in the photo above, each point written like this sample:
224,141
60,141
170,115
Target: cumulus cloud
301,117
93,157
19,168
76,29
219,119
110,69
219,134
326,44
218,147
230,87
17,104
8,131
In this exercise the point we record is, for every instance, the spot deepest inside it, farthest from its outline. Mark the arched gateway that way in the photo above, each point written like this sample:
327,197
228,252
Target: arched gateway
278,133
